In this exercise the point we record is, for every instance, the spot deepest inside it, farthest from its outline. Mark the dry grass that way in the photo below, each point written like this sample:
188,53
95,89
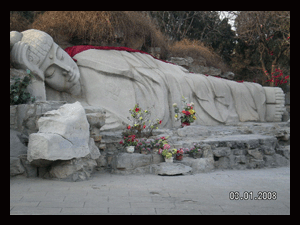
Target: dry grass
18,22
196,50
114,28
129,29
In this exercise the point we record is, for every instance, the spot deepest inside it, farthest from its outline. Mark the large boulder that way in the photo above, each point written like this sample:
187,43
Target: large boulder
63,135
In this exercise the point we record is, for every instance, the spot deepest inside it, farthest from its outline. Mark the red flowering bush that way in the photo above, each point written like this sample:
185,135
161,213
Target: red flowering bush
277,77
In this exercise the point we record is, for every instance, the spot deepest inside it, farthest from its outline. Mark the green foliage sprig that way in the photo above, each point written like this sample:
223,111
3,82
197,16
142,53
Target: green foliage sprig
18,90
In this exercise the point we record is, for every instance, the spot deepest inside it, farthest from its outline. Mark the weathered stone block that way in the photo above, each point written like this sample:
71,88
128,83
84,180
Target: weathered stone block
256,154
223,163
239,151
240,159
222,152
129,161
255,163
267,150
16,167
199,165
170,169
74,170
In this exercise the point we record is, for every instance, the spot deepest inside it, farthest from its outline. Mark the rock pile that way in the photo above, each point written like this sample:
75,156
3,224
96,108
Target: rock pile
64,146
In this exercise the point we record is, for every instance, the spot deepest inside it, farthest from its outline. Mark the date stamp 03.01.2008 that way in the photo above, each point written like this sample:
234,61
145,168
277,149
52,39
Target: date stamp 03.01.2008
249,195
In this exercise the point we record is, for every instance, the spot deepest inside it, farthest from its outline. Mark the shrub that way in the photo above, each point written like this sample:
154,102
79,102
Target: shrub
130,29
18,92
197,49
18,22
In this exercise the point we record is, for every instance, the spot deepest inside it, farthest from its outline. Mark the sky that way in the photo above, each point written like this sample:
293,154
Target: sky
231,17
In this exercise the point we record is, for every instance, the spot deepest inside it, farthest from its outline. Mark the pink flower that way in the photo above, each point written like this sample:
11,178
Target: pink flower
167,146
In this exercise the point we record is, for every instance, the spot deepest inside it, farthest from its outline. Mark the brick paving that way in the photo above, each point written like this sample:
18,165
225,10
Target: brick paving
198,194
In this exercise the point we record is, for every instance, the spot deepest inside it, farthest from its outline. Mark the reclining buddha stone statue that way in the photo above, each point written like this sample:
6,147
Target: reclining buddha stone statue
117,80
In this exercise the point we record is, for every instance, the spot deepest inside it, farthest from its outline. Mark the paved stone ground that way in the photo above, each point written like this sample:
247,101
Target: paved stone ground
111,194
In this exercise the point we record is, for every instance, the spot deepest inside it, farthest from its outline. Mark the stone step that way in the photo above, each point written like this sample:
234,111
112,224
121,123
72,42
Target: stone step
230,140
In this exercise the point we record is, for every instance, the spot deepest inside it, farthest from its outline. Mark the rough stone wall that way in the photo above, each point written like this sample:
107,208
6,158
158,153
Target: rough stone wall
249,152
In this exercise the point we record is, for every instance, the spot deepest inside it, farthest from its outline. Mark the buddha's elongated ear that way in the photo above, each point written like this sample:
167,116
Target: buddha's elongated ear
15,36
20,61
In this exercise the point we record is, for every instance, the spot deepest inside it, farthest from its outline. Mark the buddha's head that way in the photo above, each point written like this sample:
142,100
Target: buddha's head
35,50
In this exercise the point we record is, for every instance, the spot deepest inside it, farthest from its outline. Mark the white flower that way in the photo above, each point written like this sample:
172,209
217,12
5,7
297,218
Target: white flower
175,105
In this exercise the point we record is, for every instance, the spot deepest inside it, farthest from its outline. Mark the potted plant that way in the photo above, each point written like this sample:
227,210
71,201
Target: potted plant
167,153
187,114
144,146
158,143
195,151
129,142
179,154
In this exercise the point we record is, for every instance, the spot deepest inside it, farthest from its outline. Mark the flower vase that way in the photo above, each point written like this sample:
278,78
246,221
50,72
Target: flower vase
169,160
130,149
185,124
179,157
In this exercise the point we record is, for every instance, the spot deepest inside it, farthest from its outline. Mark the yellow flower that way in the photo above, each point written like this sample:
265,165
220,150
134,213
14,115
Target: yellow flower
176,115
141,118
194,117
192,111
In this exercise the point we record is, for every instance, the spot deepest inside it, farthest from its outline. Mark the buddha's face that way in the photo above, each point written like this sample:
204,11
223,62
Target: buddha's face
38,53
60,71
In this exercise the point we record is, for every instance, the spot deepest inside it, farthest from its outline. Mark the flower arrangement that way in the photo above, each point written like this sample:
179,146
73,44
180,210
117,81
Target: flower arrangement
129,141
195,151
159,142
144,145
167,152
148,145
187,115
140,121
179,154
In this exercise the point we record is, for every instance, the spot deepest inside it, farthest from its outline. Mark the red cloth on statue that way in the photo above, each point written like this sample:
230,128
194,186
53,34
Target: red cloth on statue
72,51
